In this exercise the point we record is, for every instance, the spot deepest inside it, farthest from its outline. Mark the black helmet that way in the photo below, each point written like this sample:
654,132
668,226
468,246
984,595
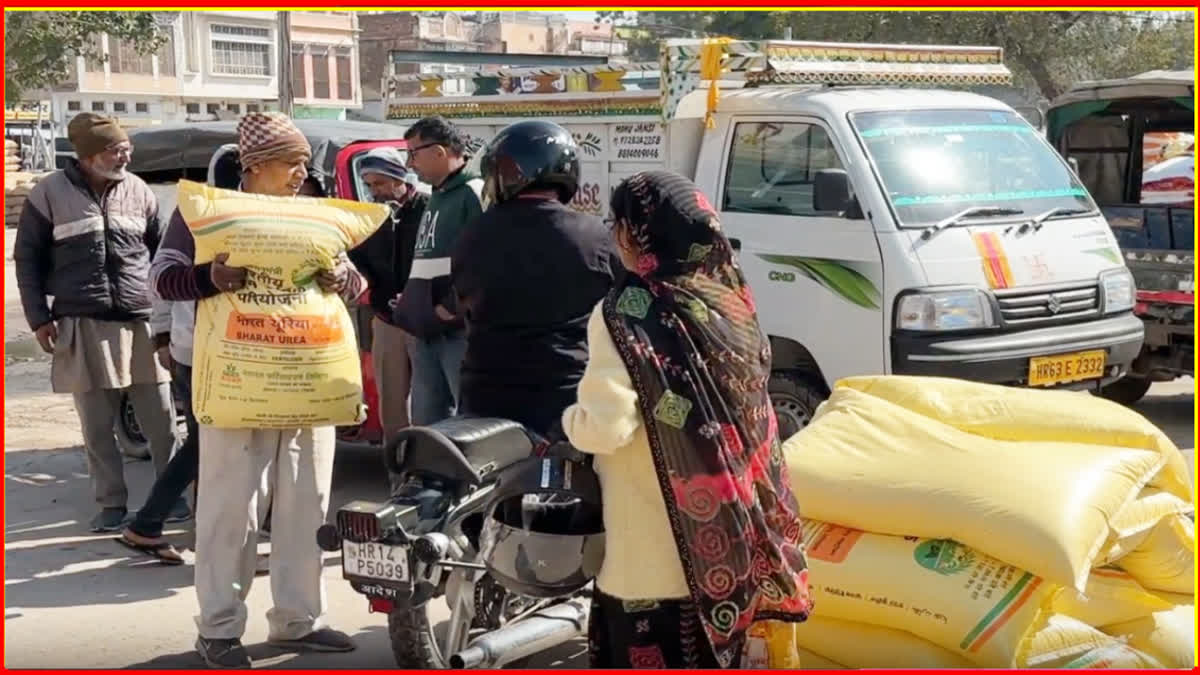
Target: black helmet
543,536
532,154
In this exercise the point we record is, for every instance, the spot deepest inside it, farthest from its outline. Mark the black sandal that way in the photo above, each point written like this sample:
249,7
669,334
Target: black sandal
163,551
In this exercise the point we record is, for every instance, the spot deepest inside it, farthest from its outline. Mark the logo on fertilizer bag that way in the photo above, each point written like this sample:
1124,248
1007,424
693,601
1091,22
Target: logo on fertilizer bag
944,556
231,374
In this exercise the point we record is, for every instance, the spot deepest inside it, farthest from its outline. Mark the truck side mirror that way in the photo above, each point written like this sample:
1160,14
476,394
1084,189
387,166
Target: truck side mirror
831,191
1074,162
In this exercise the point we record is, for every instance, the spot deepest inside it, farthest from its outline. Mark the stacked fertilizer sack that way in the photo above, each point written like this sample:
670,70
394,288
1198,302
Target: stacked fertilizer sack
12,157
955,525
17,186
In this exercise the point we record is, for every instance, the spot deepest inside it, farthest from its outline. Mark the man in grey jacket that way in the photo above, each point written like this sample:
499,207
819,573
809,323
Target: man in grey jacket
85,238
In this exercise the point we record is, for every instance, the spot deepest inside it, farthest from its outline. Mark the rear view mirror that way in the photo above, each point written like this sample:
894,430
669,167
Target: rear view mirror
1074,165
831,191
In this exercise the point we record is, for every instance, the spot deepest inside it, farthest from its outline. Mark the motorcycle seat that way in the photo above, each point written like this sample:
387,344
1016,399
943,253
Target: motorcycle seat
463,449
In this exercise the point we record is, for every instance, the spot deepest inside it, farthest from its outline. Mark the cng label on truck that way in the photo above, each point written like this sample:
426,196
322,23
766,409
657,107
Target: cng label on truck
774,275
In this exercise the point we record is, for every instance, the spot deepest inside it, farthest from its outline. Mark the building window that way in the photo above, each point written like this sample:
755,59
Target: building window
242,31
320,68
251,107
234,108
74,106
97,106
166,58
345,83
141,107
193,108
214,108
120,107
299,81
123,57
241,50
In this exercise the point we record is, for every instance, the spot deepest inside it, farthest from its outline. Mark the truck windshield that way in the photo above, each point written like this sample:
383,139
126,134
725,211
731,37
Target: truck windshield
935,163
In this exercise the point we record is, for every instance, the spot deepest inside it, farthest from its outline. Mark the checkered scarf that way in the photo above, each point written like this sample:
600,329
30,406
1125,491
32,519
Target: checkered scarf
687,331
263,136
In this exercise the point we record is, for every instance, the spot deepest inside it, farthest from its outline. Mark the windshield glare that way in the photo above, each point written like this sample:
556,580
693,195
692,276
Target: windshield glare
935,163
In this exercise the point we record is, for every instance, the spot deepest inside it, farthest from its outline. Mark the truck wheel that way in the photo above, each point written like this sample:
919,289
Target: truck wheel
130,439
795,397
1127,390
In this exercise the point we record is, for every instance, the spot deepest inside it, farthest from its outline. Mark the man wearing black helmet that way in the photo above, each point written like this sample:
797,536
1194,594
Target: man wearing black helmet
527,274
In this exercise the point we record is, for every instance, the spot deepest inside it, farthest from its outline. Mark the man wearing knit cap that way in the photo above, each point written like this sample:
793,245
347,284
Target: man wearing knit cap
85,238
386,259
239,468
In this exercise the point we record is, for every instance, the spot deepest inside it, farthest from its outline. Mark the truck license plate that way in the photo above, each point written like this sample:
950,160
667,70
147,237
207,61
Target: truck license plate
381,562
1045,371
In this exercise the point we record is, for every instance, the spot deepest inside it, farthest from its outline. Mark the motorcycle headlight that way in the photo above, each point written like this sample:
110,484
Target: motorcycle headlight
944,311
1120,294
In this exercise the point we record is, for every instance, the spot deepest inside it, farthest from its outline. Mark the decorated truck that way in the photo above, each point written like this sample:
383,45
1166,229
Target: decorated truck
1134,146
888,221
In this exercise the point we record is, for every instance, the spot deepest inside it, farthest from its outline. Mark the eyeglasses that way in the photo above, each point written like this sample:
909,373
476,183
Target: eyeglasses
118,150
413,151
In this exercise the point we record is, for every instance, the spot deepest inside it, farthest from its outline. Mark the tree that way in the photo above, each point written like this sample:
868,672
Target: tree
40,47
1047,51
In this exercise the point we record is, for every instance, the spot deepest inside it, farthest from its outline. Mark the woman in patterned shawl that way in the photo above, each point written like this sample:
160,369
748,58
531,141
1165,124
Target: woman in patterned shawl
703,532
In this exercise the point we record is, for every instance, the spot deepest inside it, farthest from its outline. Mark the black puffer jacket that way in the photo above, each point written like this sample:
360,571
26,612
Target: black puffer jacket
386,257
91,253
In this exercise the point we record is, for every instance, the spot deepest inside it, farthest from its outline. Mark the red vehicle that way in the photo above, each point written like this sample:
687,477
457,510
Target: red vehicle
206,151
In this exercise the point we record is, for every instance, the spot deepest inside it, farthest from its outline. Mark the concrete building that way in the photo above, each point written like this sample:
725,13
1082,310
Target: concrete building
524,33
218,65
325,64
384,32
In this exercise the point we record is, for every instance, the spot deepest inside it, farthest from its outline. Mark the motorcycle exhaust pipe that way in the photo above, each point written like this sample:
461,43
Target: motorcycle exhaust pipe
538,632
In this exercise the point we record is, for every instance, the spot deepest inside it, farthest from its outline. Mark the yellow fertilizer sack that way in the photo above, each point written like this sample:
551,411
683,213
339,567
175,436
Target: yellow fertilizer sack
771,645
1064,642
1012,414
1168,636
861,645
1134,523
1112,596
279,353
811,661
1166,559
1045,507
938,590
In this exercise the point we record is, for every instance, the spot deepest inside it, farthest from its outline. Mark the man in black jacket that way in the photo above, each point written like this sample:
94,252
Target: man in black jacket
527,275
85,238
385,260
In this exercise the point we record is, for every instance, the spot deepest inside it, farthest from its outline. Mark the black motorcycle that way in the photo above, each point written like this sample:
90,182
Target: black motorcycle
424,543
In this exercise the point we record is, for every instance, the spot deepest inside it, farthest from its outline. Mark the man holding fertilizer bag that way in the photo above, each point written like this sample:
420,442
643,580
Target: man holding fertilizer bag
240,467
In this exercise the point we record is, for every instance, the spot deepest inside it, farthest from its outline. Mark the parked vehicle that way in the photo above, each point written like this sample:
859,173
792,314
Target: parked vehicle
884,229
460,528
165,154
1133,143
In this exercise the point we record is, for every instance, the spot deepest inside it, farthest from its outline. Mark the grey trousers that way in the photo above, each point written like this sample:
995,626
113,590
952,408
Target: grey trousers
242,471
98,410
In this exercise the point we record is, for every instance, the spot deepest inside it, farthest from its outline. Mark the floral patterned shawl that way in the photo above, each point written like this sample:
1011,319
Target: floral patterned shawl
686,328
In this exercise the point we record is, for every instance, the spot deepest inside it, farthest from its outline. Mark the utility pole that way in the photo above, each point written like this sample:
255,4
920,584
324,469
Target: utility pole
285,63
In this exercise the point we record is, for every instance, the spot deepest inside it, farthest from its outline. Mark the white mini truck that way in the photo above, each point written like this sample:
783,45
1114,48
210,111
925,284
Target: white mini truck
883,228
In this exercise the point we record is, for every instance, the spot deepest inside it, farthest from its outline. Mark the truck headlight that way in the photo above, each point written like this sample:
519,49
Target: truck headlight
944,311
1120,294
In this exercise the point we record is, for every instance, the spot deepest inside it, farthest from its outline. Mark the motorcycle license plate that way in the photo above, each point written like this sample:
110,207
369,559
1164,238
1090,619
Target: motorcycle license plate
381,562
